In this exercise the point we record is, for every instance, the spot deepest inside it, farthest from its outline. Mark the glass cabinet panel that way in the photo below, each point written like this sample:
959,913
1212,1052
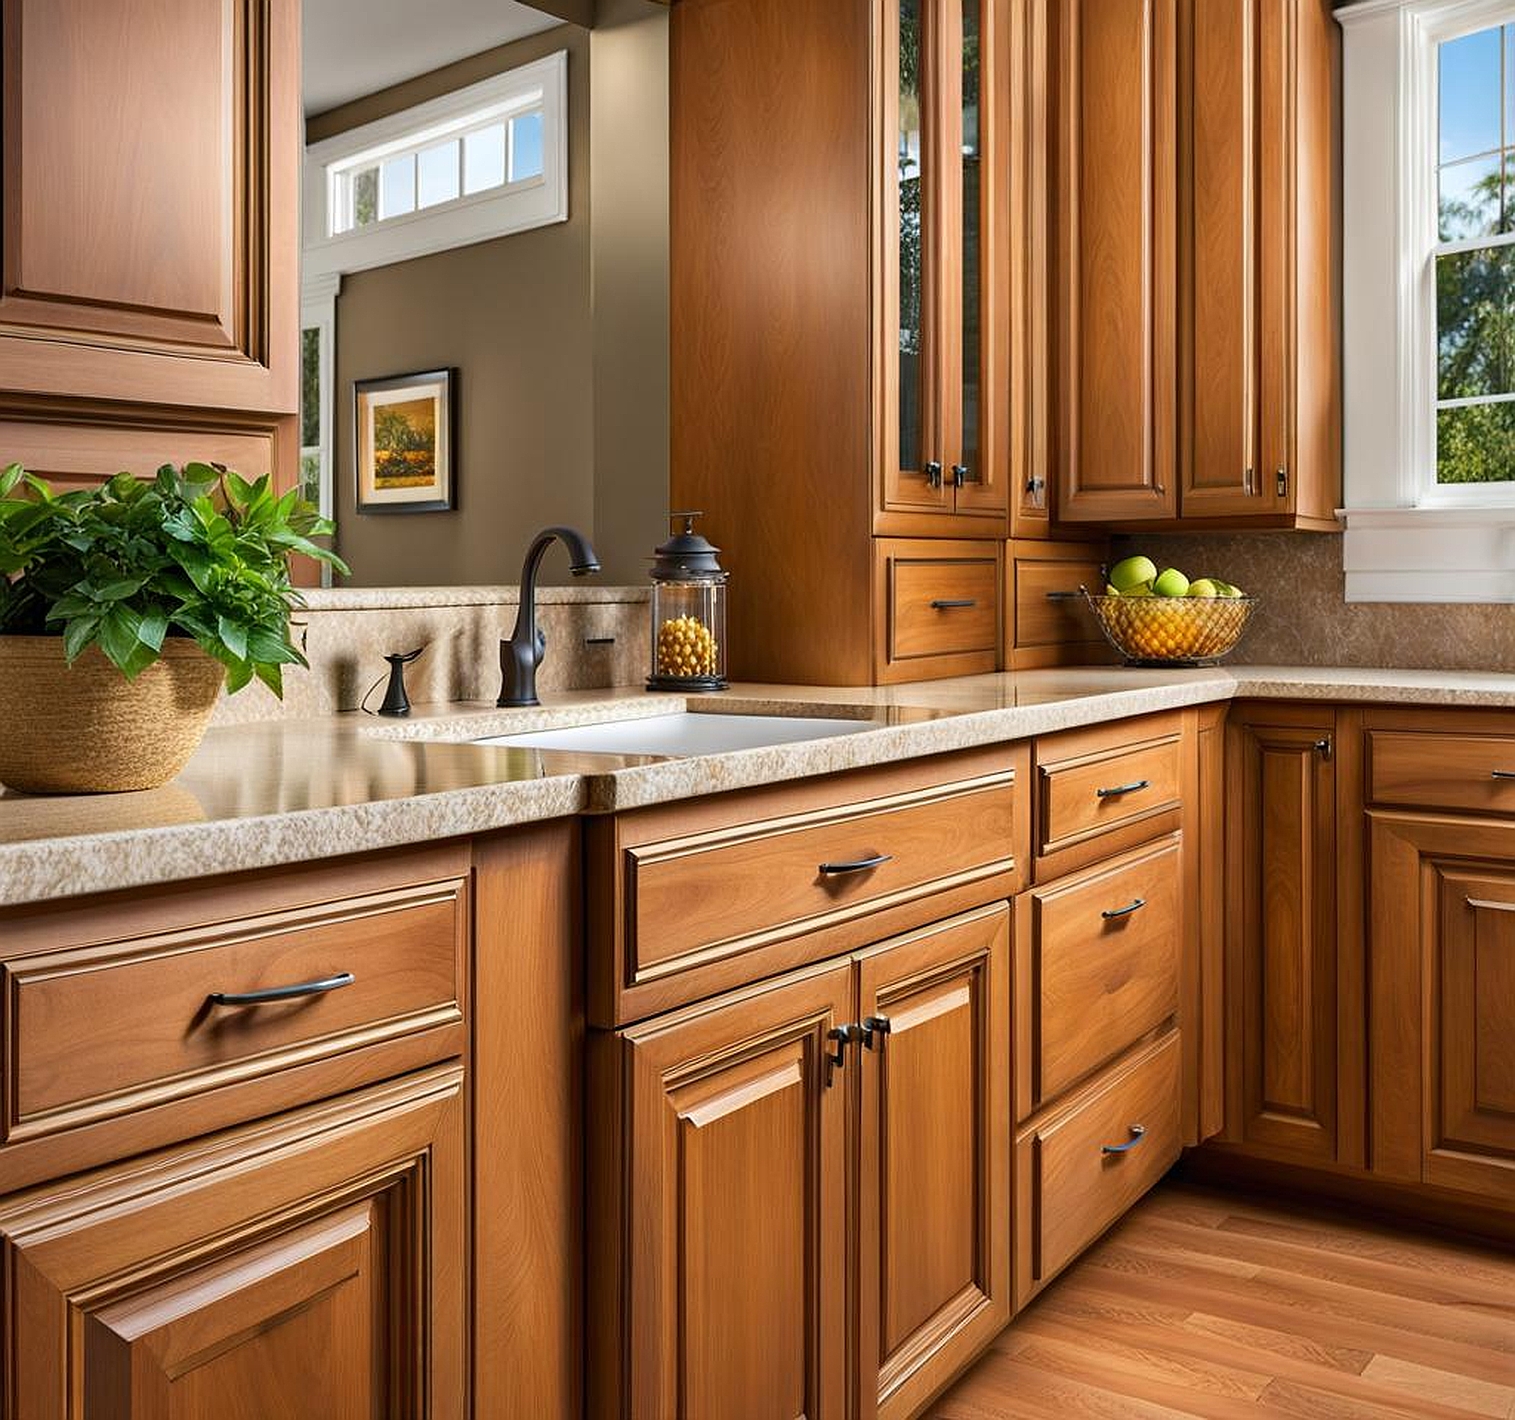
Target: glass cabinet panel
971,454
910,162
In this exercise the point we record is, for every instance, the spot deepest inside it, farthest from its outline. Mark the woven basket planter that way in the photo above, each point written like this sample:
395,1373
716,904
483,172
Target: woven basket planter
86,729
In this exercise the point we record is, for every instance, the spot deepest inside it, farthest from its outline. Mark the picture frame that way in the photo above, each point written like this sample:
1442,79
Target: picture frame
405,443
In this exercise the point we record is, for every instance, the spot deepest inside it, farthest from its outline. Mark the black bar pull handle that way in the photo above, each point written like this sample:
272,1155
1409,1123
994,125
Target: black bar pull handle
876,1026
1111,913
860,865
1138,1135
949,603
283,993
1062,596
1503,774
843,1036
1116,791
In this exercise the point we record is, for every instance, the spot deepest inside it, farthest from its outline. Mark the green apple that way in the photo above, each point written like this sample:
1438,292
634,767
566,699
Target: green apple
1205,587
1126,576
1171,583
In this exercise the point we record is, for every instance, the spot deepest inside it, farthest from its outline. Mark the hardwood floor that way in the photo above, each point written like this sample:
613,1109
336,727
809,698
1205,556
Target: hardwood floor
1200,1304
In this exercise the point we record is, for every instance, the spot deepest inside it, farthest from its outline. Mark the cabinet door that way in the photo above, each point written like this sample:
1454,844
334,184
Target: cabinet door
1281,936
1443,973
311,1268
934,1193
1117,180
729,1172
945,337
1222,475
150,195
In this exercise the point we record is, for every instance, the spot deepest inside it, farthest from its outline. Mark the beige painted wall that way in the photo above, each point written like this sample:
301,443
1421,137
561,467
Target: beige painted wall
559,335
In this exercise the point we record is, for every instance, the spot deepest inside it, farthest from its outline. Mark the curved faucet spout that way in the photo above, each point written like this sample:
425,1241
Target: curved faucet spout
522,653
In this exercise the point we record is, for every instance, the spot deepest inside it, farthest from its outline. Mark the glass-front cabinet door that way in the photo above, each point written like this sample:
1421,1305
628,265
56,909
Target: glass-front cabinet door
944,340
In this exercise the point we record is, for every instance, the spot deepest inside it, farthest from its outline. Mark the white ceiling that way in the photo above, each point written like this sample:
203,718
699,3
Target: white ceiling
357,47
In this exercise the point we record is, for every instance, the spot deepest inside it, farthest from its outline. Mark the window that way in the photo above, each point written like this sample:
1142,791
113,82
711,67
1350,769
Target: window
481,163
1475,259
1428,320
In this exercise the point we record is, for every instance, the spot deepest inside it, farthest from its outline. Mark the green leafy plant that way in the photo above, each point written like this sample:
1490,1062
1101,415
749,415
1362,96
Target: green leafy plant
198,553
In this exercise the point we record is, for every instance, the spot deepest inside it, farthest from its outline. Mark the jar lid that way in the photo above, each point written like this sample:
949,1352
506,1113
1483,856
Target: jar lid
687,556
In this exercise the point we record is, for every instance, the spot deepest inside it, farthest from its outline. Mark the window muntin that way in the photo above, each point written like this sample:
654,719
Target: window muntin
1474,261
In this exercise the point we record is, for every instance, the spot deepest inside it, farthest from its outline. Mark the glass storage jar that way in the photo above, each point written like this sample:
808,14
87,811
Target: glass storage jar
688,613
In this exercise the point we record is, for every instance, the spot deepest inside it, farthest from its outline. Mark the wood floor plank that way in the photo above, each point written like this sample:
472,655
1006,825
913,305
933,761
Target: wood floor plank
1204,1307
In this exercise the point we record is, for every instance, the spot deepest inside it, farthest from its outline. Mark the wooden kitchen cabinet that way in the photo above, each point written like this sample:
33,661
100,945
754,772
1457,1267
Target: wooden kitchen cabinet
726,1219
149,307
1197,283
1443,977
310,1267
718,1213
1283,966
851,320
934,1197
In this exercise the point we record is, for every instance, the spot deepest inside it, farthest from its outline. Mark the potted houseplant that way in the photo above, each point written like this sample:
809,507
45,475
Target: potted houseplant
124,609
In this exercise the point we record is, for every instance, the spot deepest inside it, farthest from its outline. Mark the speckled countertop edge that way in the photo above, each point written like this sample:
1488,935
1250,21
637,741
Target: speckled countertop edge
948,716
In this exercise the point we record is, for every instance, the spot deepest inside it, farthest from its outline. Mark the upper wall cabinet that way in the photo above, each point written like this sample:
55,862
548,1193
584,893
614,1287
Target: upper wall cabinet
1197,290
150,193
943,331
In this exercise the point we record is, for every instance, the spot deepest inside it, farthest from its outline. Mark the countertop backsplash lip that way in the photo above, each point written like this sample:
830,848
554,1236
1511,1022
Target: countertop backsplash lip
327,599
285,791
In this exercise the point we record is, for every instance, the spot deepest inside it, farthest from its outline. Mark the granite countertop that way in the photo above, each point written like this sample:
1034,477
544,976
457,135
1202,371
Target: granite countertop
259,795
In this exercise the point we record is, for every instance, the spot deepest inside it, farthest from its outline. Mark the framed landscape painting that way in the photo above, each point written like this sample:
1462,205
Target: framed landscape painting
404,442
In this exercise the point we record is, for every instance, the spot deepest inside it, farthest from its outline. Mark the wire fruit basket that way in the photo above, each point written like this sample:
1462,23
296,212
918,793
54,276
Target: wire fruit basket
1172,631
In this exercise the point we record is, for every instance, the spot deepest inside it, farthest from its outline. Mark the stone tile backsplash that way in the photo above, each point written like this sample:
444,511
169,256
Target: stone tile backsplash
1304,619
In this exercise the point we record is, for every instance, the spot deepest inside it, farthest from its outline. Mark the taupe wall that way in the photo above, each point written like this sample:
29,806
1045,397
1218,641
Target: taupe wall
555,423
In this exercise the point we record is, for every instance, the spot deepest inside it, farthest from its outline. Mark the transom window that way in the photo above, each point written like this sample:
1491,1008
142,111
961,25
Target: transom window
476,153
1474,260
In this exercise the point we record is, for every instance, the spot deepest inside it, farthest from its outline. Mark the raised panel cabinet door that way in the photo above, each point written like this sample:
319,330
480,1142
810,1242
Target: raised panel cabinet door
732,1169
1281,935
313,1267
1222,475
150,191
1443,971
934,1194
1116,284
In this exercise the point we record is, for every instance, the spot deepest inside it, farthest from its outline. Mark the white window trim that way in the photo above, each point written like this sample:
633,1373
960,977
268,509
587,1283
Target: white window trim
499,212
1407,540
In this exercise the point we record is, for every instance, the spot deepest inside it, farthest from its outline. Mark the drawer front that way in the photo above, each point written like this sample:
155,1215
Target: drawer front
736,902
1101,791
940,608
1100,968
1083,1169
102,1030
1441,771
1049,609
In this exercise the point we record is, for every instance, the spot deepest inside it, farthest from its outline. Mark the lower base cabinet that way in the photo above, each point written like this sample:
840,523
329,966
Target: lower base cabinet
725,1190
310,1265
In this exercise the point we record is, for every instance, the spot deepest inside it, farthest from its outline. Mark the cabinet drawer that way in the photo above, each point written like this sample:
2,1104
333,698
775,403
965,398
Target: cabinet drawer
1082,1169
1097,969
1440,771
712,896
1051,624
116,1026
1106,789
941,608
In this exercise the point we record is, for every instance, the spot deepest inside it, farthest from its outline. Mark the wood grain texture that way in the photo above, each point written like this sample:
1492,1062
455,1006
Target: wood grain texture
1282,930
1043,627
292,1267
1205,870
1204,1305
1434,769
934,1198
711,927
1077,824
920,640
527,1114
1116,282
1090,986
1069,1187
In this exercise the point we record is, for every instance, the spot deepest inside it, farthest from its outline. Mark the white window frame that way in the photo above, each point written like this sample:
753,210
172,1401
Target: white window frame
1408,539
481,217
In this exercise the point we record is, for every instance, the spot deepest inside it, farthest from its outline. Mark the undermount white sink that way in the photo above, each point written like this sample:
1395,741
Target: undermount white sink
681,734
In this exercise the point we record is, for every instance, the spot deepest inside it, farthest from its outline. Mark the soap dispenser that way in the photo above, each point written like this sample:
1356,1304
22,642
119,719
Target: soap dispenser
688,613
